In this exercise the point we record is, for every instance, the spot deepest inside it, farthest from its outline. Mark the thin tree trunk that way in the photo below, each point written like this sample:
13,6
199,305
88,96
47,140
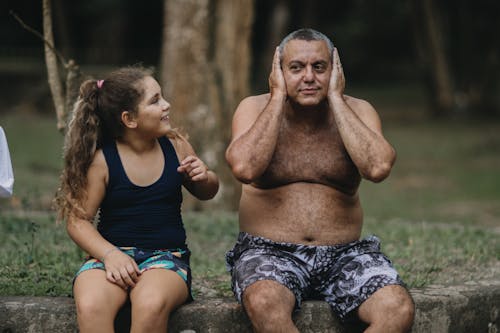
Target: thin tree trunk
439,66
54,79
275,19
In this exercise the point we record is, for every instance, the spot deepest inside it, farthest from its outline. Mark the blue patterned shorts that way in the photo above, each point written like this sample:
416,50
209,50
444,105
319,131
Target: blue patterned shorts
343,275
176,260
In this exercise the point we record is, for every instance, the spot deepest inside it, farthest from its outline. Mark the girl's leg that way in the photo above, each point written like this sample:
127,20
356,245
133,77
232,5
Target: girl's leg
97,301
158,292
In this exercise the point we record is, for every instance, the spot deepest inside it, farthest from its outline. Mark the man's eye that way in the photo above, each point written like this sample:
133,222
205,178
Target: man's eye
320,68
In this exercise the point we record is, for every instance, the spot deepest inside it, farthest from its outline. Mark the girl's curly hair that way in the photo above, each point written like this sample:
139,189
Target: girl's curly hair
96,118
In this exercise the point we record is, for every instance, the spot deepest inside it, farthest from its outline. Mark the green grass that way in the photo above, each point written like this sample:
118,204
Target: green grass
437,214
36,152
38,258
426,253
445,172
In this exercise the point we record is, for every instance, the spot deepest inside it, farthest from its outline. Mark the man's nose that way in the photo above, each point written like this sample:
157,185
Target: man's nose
308,74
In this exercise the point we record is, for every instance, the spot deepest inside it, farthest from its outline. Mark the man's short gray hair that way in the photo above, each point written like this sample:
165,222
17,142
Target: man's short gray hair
306,34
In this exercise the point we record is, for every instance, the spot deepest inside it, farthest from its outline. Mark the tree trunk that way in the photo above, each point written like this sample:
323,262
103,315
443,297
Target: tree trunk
54,79
270,26
205,74
432,53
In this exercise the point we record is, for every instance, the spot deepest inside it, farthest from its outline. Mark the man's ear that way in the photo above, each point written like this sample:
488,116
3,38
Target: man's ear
128,119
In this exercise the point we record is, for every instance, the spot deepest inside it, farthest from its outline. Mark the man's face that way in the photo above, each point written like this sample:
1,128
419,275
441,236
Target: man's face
306,68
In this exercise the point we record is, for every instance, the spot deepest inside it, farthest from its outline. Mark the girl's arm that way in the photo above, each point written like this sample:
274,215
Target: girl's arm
120,268
198,179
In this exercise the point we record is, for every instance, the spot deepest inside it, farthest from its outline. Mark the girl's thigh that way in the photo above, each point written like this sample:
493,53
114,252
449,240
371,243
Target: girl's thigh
93,292
161,288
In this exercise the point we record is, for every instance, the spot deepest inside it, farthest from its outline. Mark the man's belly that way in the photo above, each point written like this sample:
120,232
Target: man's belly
301,213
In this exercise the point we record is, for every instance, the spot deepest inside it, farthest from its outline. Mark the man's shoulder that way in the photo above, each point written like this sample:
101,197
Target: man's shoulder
359,106
256,100
356,102
253,104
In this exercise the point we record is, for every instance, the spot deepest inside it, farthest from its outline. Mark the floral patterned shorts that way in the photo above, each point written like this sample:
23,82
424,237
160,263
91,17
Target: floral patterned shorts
343,275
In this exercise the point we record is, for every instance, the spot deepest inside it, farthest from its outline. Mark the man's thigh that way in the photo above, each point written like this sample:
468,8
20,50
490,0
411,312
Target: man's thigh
254,266
356,275
269,294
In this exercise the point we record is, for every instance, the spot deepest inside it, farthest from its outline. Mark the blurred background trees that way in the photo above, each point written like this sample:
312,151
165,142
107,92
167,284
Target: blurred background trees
209,54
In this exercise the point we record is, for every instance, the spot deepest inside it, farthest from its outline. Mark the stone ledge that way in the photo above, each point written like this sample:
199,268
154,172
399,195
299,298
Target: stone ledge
472,307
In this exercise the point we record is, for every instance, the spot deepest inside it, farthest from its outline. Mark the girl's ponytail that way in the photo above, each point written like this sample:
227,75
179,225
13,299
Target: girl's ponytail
81,141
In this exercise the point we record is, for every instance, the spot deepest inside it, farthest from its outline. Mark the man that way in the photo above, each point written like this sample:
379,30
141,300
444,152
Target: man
300,152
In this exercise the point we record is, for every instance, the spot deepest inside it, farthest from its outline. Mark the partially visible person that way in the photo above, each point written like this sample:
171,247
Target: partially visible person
6,173
301,152
126,164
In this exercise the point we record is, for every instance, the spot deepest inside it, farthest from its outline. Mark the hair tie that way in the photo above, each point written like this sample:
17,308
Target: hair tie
99,83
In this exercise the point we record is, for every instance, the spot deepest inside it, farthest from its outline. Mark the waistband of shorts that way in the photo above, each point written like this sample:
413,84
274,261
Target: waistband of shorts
245,238
172,250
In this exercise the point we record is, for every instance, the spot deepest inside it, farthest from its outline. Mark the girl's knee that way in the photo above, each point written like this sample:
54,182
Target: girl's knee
87,307
153,305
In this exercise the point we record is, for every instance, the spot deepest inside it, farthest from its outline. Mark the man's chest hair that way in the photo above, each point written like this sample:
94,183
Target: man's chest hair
318,157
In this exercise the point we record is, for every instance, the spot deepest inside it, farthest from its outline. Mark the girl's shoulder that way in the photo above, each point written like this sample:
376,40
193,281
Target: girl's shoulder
98,167
182,146
97,181
98,159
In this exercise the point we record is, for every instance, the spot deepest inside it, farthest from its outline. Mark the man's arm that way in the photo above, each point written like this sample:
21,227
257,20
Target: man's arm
255,129
360,128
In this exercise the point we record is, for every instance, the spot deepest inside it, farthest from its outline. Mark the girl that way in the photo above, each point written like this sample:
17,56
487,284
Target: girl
124,160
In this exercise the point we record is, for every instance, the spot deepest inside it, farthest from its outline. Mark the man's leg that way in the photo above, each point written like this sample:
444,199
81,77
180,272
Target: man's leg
269,306
268,279
361,280
389,309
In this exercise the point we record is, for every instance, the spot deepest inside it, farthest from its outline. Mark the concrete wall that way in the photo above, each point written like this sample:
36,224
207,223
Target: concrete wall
469,308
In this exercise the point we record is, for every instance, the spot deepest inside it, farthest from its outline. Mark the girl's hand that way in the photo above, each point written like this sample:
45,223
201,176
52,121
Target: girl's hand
193,168
121,269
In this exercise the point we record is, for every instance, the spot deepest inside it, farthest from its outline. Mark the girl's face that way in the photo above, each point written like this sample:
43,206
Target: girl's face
153,111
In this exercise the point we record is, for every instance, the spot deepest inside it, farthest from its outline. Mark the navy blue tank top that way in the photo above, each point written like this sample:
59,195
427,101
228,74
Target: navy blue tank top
147,217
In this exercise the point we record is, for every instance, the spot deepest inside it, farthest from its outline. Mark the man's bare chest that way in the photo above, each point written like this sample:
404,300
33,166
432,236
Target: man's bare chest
317,157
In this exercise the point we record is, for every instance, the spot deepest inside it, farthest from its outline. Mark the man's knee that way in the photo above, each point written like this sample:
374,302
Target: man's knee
401,308
401,302
391,304
268,301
